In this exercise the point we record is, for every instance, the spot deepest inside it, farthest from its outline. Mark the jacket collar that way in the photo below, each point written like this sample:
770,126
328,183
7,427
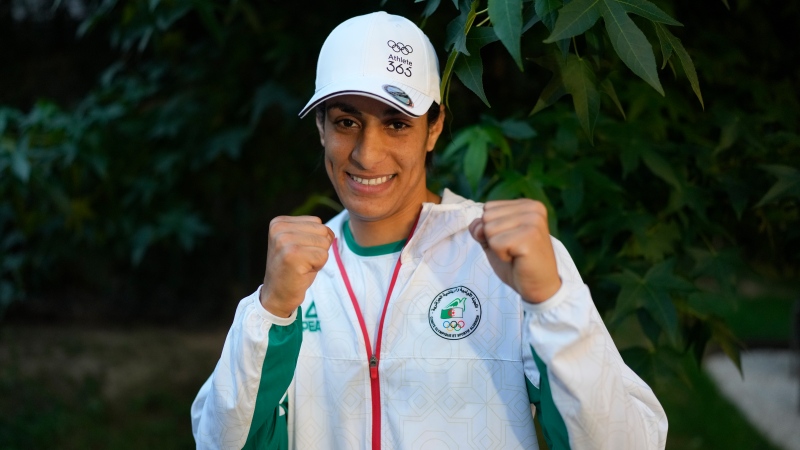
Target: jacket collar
437,222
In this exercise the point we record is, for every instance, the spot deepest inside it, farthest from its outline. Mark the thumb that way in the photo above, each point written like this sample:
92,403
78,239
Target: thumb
477,233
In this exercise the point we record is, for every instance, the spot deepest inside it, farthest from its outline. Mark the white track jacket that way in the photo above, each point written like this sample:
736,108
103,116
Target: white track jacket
461,361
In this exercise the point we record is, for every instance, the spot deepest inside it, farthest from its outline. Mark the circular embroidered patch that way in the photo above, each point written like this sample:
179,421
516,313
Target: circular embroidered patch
399,94
455,313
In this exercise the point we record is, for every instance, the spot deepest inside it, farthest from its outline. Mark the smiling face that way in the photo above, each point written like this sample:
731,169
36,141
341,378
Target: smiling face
375,157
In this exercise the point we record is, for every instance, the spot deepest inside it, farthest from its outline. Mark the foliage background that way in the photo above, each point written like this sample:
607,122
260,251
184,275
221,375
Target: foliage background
141,161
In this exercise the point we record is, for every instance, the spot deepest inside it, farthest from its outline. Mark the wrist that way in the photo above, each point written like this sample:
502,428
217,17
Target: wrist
542,294
273,306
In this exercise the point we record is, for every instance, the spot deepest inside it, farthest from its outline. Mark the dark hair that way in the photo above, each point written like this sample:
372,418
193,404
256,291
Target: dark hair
433,116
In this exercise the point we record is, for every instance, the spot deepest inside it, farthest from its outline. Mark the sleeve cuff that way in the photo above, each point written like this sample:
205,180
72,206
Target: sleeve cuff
268,316
567,287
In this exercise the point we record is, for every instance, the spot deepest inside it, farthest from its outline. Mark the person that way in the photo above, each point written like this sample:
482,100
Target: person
413,320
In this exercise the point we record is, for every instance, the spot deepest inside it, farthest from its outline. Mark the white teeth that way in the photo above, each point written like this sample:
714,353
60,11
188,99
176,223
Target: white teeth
371,181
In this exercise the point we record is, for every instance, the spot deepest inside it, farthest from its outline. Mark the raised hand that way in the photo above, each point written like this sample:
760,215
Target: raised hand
298,249
515,236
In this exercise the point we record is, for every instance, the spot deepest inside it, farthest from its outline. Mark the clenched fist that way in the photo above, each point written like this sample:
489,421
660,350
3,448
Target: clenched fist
298,249
515,236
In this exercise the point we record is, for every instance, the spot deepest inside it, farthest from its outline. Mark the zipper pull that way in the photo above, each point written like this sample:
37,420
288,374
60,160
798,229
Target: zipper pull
373,367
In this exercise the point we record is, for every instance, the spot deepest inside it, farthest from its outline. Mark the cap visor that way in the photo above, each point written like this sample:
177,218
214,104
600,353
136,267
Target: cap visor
374,88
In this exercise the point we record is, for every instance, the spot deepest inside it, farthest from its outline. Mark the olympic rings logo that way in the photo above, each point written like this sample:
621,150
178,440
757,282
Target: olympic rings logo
399,47
452,325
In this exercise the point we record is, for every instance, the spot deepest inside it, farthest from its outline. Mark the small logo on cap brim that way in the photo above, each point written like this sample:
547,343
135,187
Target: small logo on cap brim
398,94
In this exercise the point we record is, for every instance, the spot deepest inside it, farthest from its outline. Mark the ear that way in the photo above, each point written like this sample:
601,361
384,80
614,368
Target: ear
435,130
320,119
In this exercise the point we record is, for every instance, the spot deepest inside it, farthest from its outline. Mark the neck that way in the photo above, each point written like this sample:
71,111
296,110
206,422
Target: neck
369,233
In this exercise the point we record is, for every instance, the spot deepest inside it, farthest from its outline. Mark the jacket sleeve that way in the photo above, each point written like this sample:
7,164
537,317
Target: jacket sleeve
243,402
585,395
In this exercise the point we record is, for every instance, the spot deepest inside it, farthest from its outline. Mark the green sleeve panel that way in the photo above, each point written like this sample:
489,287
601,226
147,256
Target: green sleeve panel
268,427
553,426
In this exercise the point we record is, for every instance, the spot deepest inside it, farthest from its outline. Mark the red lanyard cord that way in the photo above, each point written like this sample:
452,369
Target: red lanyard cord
372,358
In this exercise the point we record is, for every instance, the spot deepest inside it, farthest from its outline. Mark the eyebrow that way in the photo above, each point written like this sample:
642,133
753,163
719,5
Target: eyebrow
350,109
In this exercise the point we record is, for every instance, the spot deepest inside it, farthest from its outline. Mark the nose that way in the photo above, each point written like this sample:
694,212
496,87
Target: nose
370,148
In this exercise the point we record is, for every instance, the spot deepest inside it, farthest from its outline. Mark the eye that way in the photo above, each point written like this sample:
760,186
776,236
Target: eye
346,123
398,125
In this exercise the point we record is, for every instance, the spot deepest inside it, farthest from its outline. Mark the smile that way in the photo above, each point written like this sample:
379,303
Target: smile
371,181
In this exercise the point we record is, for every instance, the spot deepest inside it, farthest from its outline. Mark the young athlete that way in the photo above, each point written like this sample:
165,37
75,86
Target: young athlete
413,320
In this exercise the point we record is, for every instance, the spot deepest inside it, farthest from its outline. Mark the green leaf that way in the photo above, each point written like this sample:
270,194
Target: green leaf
652,293
579,82
650,327
19,161
574,18
507,20
788,183
517,129
631,44
554,90
475,162
648,11
430,8
666,45
661,308
446,74
469,70
685,59
458,28
629,157
529,17
722,335
572,195
711,303
660,167
608,88
480,36
460,140
313,201
547,10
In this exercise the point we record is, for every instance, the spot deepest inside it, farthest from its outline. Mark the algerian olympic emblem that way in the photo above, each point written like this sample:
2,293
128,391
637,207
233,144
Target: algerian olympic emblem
455,313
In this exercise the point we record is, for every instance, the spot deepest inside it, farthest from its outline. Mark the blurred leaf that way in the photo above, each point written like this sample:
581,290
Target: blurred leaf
660,167
19,161
430,7
573,194
574,18
648,11
517,129
580,83
788,183
608,88
710,303
651,292
475,161
313,201
554,90
723,336
686,61
228,142
507,21
630,44
650,327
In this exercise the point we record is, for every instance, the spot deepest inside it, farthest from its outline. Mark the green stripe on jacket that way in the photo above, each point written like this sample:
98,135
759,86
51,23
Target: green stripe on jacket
268,427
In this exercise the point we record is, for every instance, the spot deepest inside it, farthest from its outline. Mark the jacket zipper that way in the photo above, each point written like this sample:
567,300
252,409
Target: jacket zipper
373,359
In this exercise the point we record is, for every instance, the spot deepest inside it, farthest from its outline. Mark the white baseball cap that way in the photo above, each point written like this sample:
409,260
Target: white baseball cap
382,56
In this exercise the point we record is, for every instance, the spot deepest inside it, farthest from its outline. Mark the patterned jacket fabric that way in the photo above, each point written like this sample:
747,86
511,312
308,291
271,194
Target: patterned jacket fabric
464,362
